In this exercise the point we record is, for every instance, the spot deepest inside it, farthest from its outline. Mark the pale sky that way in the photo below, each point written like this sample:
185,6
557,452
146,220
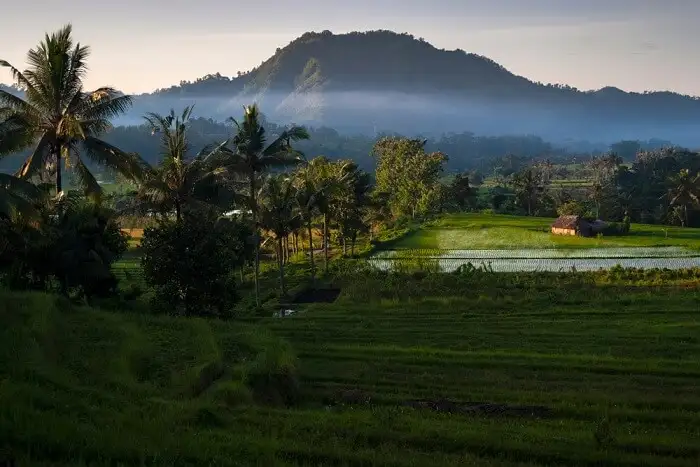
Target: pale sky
141,45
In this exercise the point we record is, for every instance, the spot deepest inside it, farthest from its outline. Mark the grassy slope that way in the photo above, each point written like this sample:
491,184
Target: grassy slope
484,231
86,387
81,386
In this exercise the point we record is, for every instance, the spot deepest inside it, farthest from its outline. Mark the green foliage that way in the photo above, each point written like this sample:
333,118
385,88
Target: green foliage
58,119
88,387
70,249
459,194
409,175
573,208
190,264
497,231
272,376
179,184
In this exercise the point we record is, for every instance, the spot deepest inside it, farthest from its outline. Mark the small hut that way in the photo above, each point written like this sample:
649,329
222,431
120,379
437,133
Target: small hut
572,225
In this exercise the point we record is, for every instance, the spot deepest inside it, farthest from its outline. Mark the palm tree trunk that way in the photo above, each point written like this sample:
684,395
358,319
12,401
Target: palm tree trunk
325,243
296,242
59,178
345,245
256,239
178,211
311,251
280,259
352,245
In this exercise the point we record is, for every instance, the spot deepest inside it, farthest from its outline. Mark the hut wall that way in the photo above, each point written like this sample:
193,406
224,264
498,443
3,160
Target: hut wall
560,231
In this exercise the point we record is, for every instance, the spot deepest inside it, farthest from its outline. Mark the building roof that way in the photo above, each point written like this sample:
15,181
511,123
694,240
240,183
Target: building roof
567,222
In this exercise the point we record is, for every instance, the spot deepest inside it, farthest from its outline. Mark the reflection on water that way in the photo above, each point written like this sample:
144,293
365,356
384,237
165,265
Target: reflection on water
528,260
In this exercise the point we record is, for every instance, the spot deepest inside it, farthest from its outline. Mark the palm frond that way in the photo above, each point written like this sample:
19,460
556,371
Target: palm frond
18,197
35,162
129,165
11,102
16,133
87,181
104,103
18,77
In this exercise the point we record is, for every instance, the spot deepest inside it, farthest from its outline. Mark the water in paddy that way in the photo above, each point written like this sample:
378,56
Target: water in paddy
547,259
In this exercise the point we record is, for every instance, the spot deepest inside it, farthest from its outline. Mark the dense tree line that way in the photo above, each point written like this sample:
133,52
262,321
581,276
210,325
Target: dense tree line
193,175
467,150
222,196
659,187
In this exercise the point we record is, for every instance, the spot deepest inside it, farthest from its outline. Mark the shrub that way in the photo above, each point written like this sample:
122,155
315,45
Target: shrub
72,248
232,394
272,376
190,264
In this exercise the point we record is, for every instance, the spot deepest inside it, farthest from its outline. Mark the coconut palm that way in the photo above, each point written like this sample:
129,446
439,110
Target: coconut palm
278,214
178,182
58,118
330,179
307,195
249,155
684,192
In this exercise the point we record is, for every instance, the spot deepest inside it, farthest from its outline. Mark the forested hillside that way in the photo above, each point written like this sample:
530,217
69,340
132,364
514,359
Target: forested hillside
380,80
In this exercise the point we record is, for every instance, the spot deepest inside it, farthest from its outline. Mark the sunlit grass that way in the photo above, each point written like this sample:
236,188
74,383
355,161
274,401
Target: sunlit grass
483,231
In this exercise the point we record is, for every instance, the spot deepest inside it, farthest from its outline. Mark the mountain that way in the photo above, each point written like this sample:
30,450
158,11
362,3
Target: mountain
384,81
381,81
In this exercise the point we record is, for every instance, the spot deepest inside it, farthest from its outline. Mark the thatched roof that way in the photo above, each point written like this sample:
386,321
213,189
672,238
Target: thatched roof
567,222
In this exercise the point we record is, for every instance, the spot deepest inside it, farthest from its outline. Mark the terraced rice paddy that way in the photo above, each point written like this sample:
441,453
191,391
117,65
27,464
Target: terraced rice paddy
522,244
530,260
456,373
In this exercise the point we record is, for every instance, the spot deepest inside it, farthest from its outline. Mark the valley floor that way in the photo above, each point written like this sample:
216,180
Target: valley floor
432,370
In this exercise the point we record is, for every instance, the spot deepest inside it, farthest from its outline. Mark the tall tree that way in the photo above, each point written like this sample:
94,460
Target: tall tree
278,214
528,189
349,203
460,192
59,118
249,155
180,182
307,196
409,174
684,192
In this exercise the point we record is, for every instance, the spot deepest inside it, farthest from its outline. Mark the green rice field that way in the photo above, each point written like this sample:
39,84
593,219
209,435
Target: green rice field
489,370
485,231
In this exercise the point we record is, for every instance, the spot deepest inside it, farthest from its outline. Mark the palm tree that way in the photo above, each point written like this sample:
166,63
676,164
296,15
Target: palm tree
528,188
684,192
278,214
596,193
307,202
59,118
249,155
179,183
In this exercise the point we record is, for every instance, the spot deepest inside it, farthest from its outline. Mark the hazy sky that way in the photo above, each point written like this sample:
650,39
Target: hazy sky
140,45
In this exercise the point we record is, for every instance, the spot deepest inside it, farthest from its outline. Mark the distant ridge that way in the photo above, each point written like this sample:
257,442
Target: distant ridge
364,81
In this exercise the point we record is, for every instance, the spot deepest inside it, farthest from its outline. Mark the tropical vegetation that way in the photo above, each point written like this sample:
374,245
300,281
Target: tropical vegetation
181,316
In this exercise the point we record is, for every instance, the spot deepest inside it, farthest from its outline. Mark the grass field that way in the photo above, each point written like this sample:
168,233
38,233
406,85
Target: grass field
484,231
433,370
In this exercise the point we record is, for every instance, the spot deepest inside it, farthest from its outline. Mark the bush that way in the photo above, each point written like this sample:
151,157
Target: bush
191,264
272,376
71,248
615,228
